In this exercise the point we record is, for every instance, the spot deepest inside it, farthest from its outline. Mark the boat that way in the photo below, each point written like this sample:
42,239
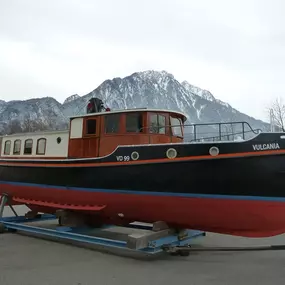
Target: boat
121,166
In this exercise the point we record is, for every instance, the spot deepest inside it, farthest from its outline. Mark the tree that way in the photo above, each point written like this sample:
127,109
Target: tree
14,127
28,124
51,122
230,128
277,114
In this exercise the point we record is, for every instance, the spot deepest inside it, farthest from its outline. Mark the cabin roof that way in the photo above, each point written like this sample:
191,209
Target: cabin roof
35,133
129,111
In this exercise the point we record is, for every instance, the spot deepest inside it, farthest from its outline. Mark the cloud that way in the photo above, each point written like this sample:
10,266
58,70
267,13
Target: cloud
58,48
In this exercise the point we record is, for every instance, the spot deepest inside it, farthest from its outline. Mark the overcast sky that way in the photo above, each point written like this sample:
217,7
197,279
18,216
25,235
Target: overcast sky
235,49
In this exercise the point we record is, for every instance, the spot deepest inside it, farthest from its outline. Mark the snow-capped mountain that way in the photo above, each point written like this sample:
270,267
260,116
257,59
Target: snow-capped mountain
45,112
198,91
148,89
71,98
2,104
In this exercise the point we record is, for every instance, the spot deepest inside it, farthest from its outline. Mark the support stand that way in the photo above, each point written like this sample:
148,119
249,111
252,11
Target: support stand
138,237
3,202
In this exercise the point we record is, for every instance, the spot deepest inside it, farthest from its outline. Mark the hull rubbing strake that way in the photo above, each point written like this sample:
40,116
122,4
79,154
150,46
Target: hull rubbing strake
60,206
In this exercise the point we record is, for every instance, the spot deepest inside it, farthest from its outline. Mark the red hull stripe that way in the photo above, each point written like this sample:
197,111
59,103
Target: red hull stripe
57,205
137,192
77,163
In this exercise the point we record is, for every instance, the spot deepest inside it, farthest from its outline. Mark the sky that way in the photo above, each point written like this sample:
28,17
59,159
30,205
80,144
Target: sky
234,49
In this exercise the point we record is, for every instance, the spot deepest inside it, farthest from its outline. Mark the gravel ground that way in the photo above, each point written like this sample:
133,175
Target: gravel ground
28,260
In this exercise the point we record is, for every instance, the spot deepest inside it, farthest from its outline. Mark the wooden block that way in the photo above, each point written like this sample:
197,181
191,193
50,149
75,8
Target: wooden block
31,215
139,240
159,226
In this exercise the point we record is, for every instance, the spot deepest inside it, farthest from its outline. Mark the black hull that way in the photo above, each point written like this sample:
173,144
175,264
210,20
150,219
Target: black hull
237,170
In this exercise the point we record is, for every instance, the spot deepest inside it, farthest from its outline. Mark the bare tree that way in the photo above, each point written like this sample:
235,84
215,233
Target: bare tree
277,114
230,128
39,126
28,124
13,127
51,122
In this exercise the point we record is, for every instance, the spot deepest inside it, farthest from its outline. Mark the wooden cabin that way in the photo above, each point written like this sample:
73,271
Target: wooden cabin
97,134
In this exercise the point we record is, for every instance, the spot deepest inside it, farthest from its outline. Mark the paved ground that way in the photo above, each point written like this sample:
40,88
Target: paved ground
31,261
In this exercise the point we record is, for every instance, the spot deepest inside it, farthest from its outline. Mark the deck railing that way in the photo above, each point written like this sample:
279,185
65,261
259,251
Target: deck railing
226,131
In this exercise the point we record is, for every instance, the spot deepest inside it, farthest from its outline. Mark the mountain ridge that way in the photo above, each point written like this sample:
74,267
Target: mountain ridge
143,89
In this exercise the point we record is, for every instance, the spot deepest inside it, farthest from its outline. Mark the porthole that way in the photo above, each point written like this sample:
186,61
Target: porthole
58,140
171,153
135,155
214,151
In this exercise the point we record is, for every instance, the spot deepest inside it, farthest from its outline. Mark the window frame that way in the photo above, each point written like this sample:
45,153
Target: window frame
25,147
14,146
86,127
176,126
119,115
4,151
37,150
140,122
157,115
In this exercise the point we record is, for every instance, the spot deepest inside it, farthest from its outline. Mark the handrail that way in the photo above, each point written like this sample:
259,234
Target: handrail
225,135
219,137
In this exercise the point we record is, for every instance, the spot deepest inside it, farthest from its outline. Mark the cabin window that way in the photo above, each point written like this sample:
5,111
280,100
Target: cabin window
41,146
28,146
17,147
7,147
157,124
112,123
176,126
134,123
91,127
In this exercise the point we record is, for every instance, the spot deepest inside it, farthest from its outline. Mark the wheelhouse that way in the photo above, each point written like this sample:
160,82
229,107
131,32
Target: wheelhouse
99,134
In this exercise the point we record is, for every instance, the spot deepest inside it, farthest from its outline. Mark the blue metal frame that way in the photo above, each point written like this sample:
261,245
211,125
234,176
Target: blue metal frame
76,234
23,219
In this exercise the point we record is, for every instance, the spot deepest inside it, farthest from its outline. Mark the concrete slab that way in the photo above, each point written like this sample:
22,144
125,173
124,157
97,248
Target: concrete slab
30,261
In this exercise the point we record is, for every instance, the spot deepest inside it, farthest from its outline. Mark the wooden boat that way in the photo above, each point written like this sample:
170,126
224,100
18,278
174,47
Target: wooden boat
133,165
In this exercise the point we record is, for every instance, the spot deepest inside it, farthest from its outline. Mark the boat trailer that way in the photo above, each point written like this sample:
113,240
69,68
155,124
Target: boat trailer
138,237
